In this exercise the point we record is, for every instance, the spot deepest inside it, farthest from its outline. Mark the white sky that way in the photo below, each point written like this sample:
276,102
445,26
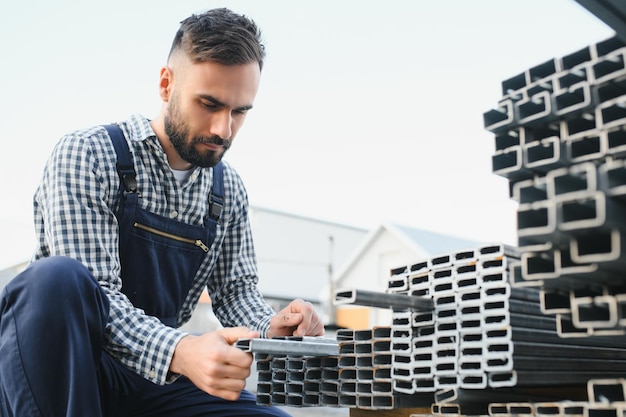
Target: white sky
368,111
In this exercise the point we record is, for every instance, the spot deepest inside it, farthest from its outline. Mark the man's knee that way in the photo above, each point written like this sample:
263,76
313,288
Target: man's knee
52,284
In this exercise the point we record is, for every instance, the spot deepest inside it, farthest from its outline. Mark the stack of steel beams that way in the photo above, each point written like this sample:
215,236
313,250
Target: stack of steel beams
459,328
602,398
352,371
483,332
560,140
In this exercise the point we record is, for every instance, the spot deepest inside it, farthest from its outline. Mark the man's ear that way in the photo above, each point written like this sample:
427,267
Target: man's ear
165,83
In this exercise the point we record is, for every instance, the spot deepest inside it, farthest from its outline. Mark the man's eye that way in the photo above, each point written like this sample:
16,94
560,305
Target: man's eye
240,111
208,105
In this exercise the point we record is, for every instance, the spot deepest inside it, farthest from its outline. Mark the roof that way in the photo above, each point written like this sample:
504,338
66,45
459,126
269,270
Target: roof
255,208
430,242
419,240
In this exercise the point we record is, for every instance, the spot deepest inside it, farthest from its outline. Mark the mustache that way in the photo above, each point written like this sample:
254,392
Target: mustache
215,140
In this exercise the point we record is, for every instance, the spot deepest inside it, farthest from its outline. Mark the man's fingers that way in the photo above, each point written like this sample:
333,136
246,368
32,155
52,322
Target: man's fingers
303,327
231,334
291,319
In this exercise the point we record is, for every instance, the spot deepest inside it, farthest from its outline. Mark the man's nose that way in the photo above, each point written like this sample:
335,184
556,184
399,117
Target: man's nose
221,124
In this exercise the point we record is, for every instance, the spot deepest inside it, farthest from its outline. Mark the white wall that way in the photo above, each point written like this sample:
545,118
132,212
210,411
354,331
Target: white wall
296,254
371,270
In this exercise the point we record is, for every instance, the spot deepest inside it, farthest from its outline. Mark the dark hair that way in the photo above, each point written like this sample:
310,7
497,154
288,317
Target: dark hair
221,36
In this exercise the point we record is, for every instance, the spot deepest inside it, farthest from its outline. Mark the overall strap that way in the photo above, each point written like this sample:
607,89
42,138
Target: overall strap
125,167
216,196
126,171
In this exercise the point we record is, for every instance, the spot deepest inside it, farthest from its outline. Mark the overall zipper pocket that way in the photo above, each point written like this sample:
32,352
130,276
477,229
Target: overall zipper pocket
158,232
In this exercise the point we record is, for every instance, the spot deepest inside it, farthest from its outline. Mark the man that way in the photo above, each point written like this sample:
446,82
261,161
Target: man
134,220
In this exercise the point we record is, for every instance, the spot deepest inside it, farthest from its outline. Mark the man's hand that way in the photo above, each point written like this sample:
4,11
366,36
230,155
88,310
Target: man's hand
297,319
212,363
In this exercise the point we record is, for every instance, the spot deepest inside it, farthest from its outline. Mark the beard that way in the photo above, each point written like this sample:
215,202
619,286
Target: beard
185,144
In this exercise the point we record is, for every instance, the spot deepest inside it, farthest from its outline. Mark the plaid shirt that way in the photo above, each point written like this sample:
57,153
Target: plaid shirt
75,206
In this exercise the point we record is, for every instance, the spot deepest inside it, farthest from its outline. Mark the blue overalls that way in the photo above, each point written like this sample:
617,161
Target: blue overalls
53,318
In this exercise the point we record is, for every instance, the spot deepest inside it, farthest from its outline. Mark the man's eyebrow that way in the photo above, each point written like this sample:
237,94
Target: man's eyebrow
218,103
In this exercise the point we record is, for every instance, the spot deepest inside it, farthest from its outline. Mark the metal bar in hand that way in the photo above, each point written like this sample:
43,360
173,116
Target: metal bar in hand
382,300
308,346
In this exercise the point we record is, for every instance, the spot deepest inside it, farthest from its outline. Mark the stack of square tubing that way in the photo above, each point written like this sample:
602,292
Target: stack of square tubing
458,325
484,333
560,140
300,372
602,398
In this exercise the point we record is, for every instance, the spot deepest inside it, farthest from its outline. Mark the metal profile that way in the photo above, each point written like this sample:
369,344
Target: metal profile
540,265
544,155
574,99
441,280
535,133
464,257
517,280
514,86
263,398
405,386
329,400
576,58
612,113
580,125
604,410
602,391
610,91
543,72
543,85
572,182
612,175
592,146
615,141
298,346
347,400
620,300
548,409
467,281
381,300
508,139
570,77
500,118
575,409
491,264
607,248
402,319
609,67
493,278
465,269
508,163
440,261
536,222
420,285
611,12
530,191
397,284
566,329
534,108
593,210
594,312
555,301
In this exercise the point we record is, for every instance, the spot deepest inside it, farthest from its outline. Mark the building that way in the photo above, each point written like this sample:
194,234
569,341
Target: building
297,256
385,248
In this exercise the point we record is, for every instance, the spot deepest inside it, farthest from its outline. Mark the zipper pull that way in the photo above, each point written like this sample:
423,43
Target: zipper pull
201,245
